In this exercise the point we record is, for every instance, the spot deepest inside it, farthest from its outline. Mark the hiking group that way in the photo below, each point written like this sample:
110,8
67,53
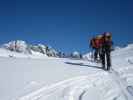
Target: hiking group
102,46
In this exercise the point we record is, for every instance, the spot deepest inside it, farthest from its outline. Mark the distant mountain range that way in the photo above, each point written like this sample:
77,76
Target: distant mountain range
21,46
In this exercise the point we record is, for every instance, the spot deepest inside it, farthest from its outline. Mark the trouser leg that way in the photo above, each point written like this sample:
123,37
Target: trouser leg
100,54
95,54
103,59
108,60
92,55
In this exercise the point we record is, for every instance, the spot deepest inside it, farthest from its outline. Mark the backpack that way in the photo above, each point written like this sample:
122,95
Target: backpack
99,41
92,43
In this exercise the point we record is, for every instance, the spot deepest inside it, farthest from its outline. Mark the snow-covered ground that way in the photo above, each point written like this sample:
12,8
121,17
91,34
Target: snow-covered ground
7,53
24,78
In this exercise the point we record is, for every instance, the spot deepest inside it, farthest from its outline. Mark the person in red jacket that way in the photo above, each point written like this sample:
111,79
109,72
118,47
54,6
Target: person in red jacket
96,44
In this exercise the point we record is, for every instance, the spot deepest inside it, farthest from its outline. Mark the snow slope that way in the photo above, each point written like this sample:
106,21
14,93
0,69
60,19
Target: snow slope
7,53
66,79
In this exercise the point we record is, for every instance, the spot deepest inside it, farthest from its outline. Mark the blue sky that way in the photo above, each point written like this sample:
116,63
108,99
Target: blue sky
65,24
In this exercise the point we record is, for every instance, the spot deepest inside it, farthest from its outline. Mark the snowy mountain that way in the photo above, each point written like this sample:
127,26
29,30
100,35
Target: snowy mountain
20,47
76,54
66,79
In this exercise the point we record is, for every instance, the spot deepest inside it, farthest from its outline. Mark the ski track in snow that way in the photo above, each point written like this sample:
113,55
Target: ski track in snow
48,90
69,85
75,88
122,84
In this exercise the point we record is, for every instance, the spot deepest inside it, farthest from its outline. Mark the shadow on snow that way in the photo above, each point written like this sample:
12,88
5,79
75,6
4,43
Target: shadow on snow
82,64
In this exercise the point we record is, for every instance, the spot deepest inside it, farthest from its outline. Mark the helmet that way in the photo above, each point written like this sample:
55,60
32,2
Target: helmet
99,36
107,34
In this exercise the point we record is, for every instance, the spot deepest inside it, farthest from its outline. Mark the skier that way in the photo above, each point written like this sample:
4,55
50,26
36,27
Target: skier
96,43
106,50
93,46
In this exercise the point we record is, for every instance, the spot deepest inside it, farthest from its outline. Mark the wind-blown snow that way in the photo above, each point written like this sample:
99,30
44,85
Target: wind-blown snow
24,78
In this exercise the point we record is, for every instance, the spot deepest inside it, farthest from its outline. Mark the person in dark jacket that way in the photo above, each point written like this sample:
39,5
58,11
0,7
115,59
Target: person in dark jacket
98,44
106,50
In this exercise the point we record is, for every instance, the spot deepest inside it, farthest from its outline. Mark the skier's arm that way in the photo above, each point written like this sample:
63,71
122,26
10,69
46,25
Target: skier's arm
90,43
